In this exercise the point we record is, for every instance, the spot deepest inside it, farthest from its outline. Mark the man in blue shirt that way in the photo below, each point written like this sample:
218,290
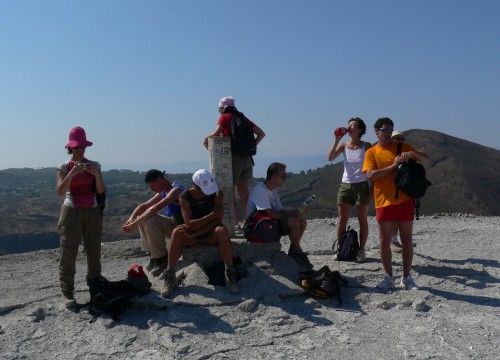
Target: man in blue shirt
157,218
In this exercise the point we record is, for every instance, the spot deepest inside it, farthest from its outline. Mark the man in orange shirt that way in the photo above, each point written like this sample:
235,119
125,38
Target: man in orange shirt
381,162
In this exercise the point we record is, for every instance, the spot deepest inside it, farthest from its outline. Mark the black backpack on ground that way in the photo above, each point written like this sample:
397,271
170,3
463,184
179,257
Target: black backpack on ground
346,247
111,297
243,140
410,179
322,283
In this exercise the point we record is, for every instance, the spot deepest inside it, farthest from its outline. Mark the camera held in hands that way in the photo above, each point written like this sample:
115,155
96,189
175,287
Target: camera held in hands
79,164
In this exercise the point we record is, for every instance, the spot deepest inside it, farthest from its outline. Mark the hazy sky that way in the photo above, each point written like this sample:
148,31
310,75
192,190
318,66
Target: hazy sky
144,77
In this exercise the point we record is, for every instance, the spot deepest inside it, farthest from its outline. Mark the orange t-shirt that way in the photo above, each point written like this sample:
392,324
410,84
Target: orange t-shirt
378,157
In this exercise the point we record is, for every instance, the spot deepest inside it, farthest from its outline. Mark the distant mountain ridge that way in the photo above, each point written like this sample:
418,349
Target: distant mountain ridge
465,179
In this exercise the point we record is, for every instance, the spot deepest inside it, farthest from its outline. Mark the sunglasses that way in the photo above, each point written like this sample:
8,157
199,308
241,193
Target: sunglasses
385,130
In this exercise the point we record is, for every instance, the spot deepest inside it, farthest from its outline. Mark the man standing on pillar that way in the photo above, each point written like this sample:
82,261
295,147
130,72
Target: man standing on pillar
242,164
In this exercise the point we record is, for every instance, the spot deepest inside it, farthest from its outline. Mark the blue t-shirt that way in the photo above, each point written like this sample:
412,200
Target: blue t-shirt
173,209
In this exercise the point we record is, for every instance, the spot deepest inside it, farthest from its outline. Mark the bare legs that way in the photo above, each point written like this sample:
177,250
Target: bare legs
386,230
362,212
244,194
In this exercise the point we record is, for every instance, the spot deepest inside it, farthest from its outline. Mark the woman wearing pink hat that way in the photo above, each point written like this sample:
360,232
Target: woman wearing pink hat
78,180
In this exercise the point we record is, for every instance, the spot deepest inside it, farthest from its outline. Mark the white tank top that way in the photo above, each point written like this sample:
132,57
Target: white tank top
353,164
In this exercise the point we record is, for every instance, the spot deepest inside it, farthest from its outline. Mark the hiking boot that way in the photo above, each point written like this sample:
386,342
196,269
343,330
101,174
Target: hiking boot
151,264
386,284
231,280
160,266
408,283
300,258
361,257
69,301
169,284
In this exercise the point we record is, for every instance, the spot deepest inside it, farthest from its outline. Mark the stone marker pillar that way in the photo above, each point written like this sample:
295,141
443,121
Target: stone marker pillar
221,166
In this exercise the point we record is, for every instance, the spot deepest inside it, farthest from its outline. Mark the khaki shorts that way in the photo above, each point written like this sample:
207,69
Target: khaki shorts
353,194
242,168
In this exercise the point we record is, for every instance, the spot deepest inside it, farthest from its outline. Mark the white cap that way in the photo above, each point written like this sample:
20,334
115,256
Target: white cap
396,133
227,101
205,180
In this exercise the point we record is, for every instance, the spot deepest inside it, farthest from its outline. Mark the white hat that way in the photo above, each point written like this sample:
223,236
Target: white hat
227,101
205,180
396,133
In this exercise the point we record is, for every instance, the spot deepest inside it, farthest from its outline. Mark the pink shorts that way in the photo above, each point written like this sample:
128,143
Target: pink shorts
400,212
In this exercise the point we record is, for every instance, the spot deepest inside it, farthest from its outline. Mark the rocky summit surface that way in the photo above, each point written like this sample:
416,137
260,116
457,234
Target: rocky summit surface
455,314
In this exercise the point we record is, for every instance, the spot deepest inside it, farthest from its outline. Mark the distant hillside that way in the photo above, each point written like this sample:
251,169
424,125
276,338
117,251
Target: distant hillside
465,178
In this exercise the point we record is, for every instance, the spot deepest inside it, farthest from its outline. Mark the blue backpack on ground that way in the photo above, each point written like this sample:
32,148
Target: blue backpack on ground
346,246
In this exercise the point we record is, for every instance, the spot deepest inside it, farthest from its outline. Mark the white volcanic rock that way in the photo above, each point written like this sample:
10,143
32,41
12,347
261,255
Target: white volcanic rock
455,314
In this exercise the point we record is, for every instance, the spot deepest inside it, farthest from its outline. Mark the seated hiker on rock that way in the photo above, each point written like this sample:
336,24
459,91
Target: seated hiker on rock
156,219
202,210
265,198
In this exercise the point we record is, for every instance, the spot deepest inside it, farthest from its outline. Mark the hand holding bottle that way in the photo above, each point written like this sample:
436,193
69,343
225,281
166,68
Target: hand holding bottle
341,131
305,205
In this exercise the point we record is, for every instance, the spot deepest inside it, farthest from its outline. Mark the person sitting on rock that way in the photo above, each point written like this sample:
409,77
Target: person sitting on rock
156,219
202,210
264,197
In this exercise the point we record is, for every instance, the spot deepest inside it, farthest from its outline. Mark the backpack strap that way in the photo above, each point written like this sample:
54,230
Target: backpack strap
400,146
416,203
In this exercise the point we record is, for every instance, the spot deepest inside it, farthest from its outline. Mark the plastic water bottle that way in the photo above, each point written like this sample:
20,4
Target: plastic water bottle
307,202
341,131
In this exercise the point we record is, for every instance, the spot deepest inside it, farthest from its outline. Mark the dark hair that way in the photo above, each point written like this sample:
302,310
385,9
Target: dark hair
361,125
383,121
231,110
152,175
274,169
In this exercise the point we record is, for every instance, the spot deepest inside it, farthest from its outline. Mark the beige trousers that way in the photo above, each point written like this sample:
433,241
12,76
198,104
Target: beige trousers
153,233
73,225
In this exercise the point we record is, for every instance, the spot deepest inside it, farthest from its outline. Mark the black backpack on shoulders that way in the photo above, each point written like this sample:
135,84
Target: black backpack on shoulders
410,178
243,140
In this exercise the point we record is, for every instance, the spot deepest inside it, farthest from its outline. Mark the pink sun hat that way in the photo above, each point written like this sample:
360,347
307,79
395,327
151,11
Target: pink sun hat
227,101
77,137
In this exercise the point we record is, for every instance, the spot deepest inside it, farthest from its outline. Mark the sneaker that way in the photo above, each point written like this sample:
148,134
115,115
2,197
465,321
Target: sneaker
408,283
231,280
361,257
301,259
69,301
160,266
151,264
336,257
169,284
386,284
